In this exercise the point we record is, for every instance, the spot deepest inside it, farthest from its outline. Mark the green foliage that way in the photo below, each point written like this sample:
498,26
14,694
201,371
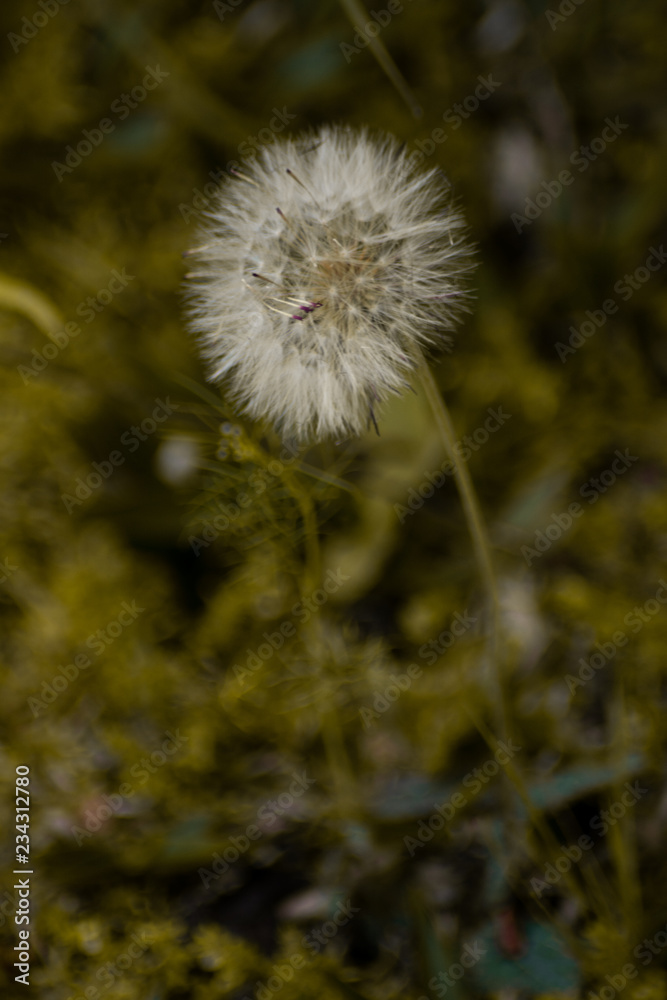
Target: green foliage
245,750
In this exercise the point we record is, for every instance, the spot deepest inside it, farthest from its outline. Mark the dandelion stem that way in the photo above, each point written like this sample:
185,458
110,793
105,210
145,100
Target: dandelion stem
477,531
356,12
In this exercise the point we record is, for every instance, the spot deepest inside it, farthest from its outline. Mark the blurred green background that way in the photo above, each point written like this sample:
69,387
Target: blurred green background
192,823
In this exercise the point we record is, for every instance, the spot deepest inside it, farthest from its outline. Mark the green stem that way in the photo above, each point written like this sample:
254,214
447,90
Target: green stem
597,892
477,531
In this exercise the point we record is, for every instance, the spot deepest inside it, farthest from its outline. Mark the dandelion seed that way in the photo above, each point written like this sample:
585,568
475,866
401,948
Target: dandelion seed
317,293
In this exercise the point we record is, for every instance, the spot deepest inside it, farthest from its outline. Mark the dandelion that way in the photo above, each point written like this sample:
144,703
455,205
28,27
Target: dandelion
330,264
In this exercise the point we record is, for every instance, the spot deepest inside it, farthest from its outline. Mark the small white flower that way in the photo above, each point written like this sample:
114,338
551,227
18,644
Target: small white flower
330,263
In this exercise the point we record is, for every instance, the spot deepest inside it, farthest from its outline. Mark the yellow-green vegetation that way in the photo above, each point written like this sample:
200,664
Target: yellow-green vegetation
251,682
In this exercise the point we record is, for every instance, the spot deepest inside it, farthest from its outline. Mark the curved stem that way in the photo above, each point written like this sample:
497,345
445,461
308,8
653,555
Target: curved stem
598,892
477,531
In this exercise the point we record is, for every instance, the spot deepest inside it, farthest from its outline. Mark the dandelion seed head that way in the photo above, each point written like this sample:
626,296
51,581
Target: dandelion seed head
328,265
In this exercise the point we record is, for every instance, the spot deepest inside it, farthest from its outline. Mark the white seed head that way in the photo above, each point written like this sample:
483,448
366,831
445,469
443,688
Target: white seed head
329,264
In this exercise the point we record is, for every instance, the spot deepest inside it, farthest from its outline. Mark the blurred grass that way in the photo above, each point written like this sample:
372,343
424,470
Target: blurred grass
128,207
